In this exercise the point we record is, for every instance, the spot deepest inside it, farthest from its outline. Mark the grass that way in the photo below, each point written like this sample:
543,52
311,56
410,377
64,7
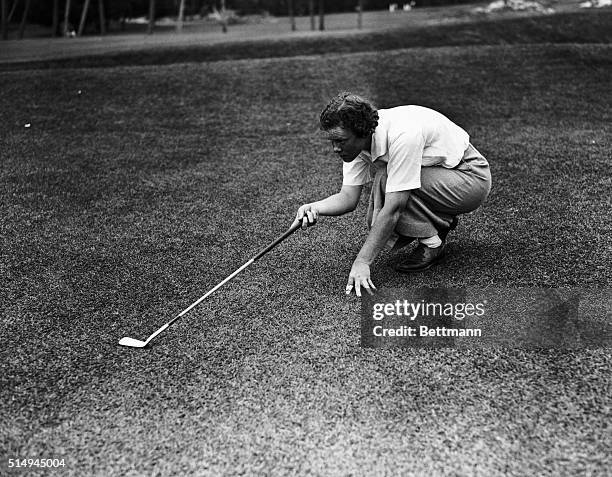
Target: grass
124,203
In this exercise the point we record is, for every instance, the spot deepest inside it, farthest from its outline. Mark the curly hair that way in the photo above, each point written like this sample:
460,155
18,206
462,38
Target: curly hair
351,112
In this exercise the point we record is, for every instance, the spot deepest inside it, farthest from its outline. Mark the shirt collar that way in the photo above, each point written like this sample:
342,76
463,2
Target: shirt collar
379,138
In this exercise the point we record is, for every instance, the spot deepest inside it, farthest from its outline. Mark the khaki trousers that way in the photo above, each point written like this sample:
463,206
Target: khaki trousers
444,194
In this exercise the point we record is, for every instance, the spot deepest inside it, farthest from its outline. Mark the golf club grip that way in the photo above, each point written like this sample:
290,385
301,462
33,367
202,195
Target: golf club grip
291,230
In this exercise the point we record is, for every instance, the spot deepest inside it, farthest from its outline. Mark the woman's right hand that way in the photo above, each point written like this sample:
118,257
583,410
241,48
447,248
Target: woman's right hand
308,214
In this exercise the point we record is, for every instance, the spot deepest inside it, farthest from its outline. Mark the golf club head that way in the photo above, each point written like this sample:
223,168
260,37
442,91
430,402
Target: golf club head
132,343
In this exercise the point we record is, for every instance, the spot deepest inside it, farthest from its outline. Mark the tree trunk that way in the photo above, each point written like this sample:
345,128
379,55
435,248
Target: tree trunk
24,19
66,18
311,13
321,15
151,17
102,17
55,20
4,22
223,17
83,18
12,12
360,14
291,15
181,16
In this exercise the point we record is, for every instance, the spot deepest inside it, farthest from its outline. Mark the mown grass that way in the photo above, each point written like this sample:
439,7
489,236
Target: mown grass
124,203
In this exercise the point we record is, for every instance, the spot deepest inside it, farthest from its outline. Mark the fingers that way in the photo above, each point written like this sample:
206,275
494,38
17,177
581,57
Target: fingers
312,215
300,216
307,215
306,219
358,284
349,285
365,283
358,287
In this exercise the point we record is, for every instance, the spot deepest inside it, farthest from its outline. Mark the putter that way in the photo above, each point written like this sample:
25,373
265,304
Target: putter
134,343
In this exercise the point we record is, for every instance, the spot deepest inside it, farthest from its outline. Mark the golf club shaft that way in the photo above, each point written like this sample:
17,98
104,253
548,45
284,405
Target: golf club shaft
291,230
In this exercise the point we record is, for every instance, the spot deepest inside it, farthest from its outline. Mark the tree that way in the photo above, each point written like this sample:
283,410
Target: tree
311,13
12,12
321,15
24,18
181,15
102,17
83,18
223,17
360,14
4,25
151,17
55,18
291,16
66,18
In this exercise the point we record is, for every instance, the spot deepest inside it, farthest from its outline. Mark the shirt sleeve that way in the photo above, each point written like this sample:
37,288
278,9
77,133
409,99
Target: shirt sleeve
356,172
405,158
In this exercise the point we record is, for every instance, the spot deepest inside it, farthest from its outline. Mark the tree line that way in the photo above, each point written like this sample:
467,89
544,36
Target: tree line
74,17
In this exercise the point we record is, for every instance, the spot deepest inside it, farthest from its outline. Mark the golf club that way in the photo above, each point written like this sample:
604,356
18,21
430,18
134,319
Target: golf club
134,343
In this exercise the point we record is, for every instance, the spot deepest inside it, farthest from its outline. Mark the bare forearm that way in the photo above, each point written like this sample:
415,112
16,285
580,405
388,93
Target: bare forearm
336,204
381,231
344,201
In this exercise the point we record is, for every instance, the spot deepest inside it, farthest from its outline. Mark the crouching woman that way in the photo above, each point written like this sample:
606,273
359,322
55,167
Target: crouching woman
424,170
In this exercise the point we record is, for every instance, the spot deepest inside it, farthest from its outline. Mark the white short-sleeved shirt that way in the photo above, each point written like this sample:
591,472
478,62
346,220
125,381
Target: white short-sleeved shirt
406,139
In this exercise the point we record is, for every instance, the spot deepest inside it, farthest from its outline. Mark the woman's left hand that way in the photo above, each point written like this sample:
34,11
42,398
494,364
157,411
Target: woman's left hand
360,277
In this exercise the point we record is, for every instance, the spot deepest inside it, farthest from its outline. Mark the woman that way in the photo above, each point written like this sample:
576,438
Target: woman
425,172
